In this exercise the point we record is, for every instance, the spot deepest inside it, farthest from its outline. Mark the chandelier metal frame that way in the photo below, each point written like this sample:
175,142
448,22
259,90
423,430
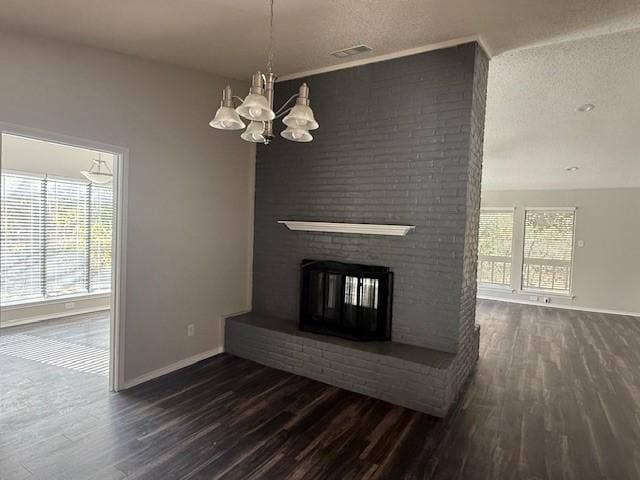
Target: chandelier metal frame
257,107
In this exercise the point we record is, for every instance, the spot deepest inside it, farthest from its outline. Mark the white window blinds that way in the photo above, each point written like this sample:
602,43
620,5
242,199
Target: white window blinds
495,238
56,238
548,250
66,238
21,238
101,224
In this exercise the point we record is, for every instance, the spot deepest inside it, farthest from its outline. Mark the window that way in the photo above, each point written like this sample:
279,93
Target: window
495,238
56,238
21,235
101,224
65,259
548,250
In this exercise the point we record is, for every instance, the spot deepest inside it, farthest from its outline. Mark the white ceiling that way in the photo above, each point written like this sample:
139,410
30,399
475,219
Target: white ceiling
229,36
23,154
533,130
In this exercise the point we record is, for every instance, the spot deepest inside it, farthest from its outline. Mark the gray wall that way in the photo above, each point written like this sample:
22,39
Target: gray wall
189,198
399,142
605,270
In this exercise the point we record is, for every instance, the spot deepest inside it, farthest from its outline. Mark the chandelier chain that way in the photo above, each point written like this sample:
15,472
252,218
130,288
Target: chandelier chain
270,60
257,106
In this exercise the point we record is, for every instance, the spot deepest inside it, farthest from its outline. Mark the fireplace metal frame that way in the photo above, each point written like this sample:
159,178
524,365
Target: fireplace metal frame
318,323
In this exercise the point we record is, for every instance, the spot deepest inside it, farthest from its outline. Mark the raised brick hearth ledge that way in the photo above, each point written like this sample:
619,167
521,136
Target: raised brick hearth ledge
418,378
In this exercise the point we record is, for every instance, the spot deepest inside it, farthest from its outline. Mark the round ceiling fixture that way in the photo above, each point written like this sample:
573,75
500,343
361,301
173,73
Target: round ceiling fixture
572,169
587,107
99,172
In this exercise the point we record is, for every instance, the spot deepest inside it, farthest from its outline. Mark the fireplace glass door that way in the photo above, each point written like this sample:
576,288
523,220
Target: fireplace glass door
348,300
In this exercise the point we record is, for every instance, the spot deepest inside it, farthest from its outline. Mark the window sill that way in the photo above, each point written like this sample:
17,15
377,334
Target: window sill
53,301
547,293
495,288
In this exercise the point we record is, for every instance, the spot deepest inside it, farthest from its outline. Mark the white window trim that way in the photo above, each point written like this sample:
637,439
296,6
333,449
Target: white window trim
551,209
49,300
497,209
517,253
546,293
497,286
538,291
44,176
53,301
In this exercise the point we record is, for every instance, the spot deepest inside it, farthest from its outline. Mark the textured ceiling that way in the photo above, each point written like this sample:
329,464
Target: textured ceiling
533,130
229,36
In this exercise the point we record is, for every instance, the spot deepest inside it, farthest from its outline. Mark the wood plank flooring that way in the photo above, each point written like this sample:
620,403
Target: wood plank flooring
556,395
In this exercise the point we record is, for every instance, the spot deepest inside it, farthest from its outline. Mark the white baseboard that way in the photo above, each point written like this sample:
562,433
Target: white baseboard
171,368
53,316
567,307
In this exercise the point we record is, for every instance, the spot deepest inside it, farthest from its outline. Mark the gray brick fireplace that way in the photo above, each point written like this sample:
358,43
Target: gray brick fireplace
400,142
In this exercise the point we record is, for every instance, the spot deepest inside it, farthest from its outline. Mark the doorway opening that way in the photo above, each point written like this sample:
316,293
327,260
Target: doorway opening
60,249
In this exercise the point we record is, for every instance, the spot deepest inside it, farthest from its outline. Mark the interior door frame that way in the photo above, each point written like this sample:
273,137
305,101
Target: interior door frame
119,239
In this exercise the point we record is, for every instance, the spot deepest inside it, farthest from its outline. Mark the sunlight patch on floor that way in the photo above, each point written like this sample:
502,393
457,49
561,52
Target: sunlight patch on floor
81,358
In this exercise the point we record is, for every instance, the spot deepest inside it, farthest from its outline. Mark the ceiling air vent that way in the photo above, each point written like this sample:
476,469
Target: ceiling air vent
347,52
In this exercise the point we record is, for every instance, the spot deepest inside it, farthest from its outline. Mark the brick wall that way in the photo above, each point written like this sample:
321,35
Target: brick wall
399,142
467,333
422,381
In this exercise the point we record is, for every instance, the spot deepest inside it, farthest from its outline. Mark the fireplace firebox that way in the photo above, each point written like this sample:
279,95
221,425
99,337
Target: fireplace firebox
346,300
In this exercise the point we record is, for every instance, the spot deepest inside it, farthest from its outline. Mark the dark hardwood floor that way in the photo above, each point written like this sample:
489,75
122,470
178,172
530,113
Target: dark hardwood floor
556,395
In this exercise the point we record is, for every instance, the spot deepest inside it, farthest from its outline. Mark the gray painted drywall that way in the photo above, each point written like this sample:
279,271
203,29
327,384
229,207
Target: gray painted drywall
399,142
605,270
189,196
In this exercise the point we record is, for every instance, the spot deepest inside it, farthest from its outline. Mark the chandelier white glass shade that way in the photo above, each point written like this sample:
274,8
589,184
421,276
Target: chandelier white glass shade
301,115
226,117
296,135
254,132
99,172
257,107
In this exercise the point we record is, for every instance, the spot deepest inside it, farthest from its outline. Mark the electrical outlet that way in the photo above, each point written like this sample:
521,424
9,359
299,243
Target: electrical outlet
580,243
546,299
69,305
191,330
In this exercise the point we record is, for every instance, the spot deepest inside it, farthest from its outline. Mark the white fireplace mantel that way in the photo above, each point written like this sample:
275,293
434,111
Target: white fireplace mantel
360,228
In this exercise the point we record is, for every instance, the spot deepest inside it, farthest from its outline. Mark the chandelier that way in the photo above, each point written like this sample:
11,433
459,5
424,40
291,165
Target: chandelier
99,172
257,107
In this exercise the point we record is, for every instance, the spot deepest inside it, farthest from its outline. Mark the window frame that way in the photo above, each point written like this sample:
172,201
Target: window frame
498,286
542,291
56,299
